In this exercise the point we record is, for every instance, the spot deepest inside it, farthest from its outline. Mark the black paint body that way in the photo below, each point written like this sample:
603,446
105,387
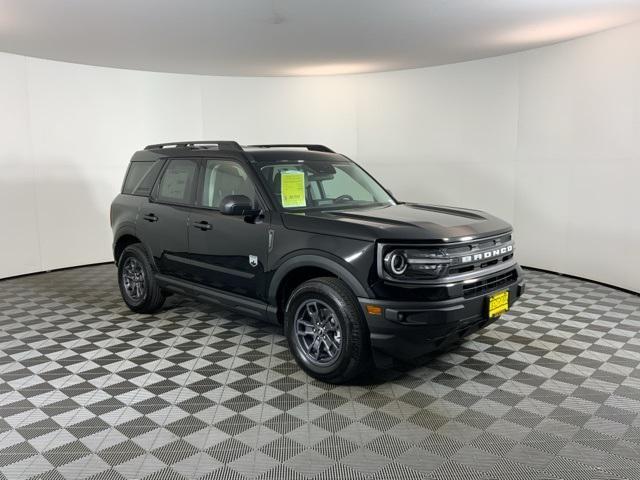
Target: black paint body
212,263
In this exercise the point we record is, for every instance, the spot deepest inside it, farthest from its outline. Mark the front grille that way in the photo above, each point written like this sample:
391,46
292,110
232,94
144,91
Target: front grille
490,284
471,249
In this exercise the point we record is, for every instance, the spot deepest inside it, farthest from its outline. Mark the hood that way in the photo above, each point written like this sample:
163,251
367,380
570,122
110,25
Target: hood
405,221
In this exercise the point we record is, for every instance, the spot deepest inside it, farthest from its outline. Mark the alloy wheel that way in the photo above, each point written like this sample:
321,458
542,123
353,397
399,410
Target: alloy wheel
133,279
318,332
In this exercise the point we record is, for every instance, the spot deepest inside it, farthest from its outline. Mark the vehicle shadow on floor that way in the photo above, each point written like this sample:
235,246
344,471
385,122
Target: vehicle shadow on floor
386,370
391,370
396,371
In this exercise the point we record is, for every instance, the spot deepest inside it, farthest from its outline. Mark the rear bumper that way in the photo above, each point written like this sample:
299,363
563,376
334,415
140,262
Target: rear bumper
408,329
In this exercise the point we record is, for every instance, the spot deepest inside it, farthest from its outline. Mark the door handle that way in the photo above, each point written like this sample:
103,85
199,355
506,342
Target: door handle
202,225
151,217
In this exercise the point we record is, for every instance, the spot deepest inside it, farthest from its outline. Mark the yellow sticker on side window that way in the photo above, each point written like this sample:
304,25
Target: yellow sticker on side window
293,194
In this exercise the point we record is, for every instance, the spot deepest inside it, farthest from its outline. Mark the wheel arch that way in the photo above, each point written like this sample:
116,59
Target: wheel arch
122,242
126,238
301,268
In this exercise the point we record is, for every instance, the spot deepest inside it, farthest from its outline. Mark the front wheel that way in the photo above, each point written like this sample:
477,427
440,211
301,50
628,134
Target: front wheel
138,286
326,331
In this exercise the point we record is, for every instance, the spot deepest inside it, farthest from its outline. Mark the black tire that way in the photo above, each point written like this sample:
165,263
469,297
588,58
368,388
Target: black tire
353,358
148,298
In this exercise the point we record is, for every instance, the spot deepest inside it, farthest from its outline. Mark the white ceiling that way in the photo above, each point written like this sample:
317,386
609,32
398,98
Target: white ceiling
294,37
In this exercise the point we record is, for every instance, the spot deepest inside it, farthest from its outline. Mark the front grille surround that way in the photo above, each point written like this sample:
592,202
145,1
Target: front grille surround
462,260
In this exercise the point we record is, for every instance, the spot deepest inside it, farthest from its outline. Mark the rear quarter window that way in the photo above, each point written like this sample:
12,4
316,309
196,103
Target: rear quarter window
141,177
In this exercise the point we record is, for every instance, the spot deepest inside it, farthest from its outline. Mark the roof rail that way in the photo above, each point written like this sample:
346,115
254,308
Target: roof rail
221,144
312,147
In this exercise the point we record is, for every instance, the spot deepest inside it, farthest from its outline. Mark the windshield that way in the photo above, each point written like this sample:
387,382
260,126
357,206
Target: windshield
301,185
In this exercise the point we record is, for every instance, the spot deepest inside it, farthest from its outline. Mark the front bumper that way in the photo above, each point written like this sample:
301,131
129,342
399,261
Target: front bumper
410,329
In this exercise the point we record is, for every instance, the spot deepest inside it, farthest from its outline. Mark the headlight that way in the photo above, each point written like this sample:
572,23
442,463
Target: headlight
414,263
395,262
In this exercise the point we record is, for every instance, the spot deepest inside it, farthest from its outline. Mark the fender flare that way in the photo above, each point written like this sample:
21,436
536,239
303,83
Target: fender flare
124,229
315,260
129,229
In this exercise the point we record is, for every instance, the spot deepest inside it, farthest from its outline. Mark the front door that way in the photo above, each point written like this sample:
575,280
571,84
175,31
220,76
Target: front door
228,252
163,220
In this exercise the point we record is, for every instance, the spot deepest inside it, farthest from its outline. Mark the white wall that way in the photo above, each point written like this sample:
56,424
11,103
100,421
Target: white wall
444,135
85,123
282,110
70,130
548,139
19,233
578,161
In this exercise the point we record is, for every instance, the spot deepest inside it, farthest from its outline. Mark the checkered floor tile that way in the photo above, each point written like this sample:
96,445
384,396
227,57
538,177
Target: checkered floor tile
90,390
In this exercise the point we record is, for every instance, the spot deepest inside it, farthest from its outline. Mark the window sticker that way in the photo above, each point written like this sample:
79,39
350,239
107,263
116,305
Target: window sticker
293,194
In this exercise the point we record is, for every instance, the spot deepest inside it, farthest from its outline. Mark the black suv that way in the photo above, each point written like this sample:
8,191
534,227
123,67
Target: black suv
302,236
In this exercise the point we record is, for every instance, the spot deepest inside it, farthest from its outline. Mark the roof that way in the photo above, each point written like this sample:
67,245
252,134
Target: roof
278,154
259,153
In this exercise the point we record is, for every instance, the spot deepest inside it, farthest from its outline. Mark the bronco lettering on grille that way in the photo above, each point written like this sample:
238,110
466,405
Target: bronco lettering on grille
496,252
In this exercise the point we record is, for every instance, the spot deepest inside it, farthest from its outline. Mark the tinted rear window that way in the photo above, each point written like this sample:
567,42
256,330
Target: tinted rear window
141,177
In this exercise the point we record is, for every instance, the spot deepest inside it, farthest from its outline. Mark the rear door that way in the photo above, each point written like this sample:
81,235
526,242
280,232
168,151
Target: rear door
164,217
227,252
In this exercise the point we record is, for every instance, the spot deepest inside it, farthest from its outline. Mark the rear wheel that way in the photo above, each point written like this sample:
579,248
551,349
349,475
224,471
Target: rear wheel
326,331
138,286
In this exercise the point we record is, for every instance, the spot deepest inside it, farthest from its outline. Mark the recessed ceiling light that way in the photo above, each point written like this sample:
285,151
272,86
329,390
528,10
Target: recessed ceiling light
332,69
559,29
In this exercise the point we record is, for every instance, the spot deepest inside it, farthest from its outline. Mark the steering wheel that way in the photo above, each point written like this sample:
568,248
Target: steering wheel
343,198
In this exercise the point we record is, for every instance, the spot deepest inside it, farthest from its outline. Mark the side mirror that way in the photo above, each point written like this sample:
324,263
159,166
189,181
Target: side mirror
238,205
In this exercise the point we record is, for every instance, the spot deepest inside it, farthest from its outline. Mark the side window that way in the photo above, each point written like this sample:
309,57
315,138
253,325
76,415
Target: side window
145,185
137,172
176,185
222,178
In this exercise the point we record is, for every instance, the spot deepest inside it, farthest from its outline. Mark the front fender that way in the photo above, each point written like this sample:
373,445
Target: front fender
318,259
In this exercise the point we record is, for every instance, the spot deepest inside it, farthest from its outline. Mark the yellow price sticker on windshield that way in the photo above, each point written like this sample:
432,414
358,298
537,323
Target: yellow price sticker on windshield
293,194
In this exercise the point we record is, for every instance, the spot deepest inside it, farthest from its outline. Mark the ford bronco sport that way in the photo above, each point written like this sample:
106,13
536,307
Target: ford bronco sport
304,237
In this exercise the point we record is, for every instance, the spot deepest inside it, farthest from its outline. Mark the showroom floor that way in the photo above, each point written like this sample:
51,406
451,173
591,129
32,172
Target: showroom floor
552,390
